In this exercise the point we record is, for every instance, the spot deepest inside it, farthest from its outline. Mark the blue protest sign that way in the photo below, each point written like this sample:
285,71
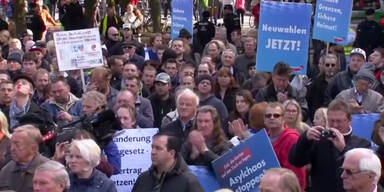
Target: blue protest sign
241,168
332,21
362,124
206,177
284,31
181,17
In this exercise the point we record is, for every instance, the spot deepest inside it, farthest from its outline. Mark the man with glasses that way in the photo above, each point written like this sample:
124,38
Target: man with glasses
282,138
361,171
361,97
328,67
324,147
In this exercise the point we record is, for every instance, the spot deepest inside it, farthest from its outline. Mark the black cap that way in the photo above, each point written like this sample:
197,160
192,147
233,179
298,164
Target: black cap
25,78
228,6
370,12
15,56
183,33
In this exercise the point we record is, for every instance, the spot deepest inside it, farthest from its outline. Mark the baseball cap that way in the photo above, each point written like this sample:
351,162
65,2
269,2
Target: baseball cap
360,52
163,77
126,26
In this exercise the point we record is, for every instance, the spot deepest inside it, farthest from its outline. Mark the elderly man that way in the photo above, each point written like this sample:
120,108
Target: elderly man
361,171
17,174
129,53
324,147
361,97
169,172
50,176
186,105
64,107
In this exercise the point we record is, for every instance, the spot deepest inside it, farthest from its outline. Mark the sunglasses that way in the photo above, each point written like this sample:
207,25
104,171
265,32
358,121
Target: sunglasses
330,65
115,34
270,115
350,172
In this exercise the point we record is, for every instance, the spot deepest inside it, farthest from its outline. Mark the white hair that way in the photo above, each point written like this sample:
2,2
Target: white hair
188,93
228,51
89,150
60,174
368,161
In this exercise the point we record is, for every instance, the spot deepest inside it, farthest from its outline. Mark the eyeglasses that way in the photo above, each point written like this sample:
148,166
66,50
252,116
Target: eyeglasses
337,121
351,172
330,65
274,115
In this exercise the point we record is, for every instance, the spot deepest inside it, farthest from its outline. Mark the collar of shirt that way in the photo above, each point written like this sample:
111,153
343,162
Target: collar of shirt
66,106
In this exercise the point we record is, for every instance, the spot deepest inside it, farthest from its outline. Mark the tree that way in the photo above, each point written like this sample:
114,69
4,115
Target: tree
154,5
19,17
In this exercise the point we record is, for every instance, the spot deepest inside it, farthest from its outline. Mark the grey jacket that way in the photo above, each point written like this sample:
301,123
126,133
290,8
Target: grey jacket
373,102
13,177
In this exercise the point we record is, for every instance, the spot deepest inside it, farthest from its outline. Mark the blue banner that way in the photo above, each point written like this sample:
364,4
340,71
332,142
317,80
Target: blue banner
206,177
362,124
284,31
332,21
241,168
181,17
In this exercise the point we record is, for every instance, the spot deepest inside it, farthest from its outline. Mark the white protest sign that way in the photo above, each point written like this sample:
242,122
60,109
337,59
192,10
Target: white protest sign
134,146
78,49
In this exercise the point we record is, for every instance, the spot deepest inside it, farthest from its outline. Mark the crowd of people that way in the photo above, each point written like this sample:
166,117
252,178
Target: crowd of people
204,94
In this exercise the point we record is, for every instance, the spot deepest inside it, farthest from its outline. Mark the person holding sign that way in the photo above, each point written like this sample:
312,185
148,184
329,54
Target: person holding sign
324,148
282,138
207,141
169,172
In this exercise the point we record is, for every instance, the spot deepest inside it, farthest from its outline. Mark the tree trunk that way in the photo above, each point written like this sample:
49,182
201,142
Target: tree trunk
19,17
90,12
154,5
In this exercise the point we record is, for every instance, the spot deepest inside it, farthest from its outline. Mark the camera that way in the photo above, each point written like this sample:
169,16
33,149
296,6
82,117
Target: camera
326,133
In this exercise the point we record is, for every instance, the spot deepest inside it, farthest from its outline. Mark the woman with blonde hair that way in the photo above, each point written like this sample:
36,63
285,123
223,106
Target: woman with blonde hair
320,118
5,143
293,117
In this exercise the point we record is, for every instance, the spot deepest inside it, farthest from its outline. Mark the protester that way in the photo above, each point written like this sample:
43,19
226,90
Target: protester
207,141
242,105
17,175
292,116
50,176
279,179
83,157
167,163
361,170
324,146
226,87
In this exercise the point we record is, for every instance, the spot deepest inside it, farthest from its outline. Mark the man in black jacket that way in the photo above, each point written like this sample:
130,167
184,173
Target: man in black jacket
169,172
324,148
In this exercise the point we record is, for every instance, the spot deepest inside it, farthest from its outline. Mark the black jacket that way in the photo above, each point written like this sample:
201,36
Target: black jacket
315,94
325,160
176,127
179,179
161,108
340,82
72,16
269,94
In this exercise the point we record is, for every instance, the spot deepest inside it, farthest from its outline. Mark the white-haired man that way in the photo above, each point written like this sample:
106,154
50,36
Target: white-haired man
361,171
187,102
50,176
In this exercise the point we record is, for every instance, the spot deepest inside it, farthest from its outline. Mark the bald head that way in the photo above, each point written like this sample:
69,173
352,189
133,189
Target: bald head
113,33
124,97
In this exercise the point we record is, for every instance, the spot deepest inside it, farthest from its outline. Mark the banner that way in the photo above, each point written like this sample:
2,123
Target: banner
206,177
134,146
332,21
181,17
241,168
78,49
284,31
362,124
